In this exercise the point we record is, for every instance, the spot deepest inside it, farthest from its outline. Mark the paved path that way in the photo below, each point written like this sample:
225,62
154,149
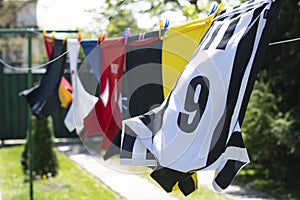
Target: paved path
128,185
133,187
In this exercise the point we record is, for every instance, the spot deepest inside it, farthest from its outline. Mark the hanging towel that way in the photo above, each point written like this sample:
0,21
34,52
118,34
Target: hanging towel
92,53
43,98
65,88
143,74
106,116
83,102
179,44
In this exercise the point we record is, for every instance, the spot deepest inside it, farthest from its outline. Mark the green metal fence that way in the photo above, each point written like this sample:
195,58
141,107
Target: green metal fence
15,119
13,109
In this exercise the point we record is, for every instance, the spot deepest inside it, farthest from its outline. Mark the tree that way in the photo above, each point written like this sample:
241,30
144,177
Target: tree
116,17
281,65
45,162
119,13
117,23
268,133
282,61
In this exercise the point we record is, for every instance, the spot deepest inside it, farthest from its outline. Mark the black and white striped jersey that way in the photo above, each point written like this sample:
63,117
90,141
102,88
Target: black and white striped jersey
198,126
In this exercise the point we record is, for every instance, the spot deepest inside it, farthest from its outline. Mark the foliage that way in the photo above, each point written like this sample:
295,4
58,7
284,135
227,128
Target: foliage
267,129
271,139
70,183
190,9
45,163
117,17
120,15
117,24
271,127
282,61
273,134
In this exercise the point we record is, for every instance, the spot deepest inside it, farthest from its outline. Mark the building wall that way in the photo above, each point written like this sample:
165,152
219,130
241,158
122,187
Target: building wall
18,14
26,15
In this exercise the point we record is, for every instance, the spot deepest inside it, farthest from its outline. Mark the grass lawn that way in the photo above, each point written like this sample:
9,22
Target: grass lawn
70,183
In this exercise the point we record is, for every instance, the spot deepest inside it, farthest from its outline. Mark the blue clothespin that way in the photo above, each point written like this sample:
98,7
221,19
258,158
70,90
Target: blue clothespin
165,27
126,34
214,8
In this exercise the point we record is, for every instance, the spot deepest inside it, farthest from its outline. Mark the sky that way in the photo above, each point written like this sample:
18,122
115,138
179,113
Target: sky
71,14
66,14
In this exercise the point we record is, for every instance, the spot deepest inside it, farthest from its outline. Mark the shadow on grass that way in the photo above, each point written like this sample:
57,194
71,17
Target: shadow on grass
276,188
9,145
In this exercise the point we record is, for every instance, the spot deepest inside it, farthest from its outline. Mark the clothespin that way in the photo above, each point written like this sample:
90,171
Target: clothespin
213,9
126,34
101,38
142,36
44,32
66,38
167,22
161,24
52,34
79,37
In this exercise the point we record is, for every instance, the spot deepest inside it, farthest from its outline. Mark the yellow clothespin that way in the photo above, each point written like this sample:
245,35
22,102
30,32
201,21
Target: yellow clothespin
52,34
66,38
44,32
161,25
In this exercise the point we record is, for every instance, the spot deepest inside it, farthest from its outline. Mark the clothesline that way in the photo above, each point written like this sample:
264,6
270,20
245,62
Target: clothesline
35,67
118,8
284,41
109,16
51,61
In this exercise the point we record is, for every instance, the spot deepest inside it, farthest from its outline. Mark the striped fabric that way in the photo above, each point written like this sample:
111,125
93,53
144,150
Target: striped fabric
143,73
198,126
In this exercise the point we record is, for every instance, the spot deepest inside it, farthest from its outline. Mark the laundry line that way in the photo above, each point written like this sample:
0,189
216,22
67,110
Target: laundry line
58,57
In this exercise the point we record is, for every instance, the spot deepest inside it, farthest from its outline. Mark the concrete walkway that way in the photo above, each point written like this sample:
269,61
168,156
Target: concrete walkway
128,185
133,187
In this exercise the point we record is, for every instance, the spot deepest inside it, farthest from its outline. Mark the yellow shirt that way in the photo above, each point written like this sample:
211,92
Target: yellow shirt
179,44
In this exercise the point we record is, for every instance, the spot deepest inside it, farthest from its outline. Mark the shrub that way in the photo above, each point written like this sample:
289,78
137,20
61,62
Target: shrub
270,135
45,162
